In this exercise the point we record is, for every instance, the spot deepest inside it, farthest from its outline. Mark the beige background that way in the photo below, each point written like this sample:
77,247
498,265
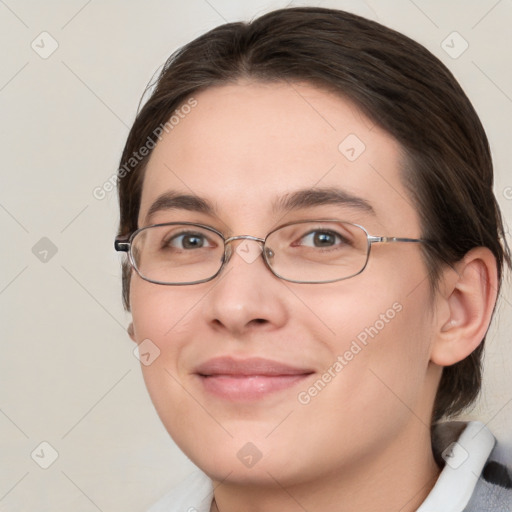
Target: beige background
68,376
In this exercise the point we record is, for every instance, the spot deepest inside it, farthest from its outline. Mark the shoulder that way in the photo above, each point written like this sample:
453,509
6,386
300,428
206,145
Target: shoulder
493,490
473,463
194,494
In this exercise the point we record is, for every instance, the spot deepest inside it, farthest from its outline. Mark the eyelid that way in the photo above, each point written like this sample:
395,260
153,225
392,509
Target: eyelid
196,218
330,226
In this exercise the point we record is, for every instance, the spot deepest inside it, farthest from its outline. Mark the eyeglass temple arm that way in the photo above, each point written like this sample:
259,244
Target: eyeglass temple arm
121,244
387,239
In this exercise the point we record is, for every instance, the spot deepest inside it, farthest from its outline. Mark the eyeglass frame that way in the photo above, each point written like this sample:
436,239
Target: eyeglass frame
123,243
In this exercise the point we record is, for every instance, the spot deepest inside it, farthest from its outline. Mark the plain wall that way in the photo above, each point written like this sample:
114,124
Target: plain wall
68,376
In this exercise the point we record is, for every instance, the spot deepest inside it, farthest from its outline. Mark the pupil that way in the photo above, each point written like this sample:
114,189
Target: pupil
324,239
192,241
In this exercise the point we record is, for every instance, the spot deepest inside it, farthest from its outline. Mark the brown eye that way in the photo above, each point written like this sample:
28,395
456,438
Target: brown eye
187,241
321,238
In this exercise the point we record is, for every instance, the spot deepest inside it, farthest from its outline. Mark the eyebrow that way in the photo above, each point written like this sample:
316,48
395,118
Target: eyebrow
310,197
300,199
175,201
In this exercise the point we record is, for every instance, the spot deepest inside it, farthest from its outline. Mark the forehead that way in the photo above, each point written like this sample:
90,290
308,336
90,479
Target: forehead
245,146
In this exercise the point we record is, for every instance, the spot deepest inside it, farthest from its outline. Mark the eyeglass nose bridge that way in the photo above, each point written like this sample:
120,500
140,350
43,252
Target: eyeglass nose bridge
228,252
244,237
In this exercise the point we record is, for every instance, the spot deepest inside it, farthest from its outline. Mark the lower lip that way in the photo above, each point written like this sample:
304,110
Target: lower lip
248,387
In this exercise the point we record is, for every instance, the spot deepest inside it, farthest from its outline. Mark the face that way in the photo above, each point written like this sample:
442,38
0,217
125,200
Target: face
258,376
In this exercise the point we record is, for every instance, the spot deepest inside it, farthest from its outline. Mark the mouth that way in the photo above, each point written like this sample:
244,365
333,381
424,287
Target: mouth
248,379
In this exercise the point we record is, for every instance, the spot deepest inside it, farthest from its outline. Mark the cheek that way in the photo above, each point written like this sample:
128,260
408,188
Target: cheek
160,312
379,339
162,318
163,325
374,378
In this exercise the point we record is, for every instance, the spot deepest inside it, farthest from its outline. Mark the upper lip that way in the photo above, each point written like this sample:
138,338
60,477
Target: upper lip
248,367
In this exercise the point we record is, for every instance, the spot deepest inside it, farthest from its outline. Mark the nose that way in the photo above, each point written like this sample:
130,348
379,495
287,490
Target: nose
246,296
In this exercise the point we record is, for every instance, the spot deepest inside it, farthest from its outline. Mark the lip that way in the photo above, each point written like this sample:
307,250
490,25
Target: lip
248,379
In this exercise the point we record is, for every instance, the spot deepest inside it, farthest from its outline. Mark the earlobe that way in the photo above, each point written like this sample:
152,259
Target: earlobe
467,302
131,332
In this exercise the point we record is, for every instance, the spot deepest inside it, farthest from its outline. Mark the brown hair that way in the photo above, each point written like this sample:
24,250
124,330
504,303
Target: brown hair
394,81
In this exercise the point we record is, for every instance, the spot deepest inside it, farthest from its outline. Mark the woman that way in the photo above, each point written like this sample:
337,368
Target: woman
315,253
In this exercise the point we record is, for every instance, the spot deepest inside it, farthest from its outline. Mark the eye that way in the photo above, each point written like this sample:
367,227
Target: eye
187,240
322,238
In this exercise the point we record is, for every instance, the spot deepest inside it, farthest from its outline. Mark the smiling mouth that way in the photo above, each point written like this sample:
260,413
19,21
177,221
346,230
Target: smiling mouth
248,387
249,379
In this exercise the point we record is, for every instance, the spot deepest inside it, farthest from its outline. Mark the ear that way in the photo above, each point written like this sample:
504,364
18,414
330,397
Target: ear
131,332
464,306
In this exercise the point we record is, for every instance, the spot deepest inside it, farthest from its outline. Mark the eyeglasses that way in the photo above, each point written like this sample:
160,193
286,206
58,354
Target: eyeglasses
307,251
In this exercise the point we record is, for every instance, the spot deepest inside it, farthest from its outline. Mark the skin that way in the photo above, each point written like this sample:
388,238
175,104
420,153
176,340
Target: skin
363,443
